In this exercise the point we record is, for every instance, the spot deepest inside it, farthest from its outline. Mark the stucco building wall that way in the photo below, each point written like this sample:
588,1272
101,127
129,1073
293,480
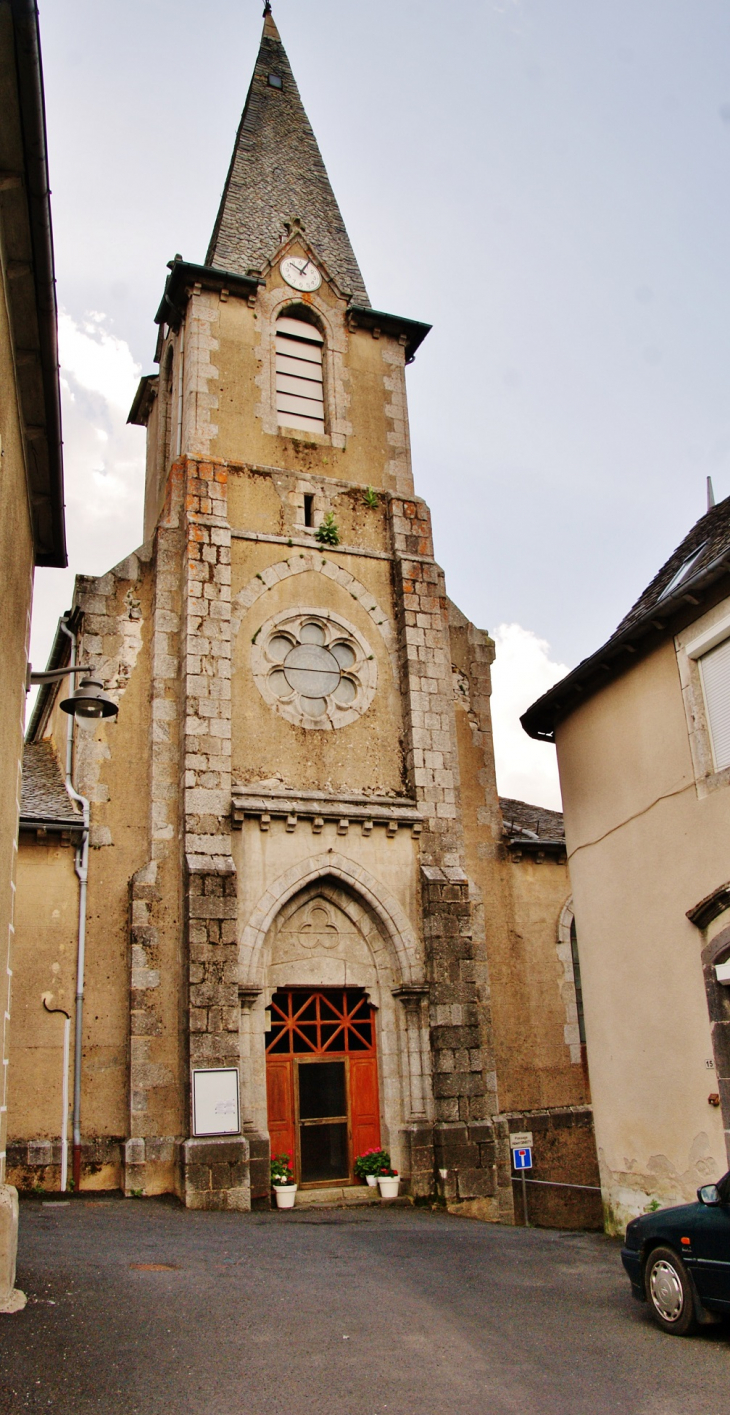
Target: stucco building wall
17,559
644,847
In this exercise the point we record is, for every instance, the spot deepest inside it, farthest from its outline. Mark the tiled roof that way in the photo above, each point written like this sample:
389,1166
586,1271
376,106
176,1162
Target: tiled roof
708,541
44,797
691,575
277,174
522,822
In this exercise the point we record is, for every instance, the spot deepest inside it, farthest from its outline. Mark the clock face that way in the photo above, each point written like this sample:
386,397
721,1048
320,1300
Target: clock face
301,273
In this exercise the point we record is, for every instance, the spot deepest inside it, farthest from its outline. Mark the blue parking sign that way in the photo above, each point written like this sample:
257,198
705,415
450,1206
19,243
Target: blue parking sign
522,1159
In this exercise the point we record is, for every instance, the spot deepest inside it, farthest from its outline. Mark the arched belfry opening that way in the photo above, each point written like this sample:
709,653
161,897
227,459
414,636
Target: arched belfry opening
300,400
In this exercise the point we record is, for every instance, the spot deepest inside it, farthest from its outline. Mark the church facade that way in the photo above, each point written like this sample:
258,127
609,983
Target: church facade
300,875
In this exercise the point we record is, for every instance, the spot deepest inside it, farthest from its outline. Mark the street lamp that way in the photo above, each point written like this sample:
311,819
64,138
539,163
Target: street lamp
88,701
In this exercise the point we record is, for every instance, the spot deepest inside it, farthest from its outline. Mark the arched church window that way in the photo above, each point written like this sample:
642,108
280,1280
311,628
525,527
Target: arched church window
299,373
577,981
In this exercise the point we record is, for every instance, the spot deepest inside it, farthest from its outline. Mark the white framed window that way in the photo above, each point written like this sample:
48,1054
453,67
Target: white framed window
709,654
299,374
715,675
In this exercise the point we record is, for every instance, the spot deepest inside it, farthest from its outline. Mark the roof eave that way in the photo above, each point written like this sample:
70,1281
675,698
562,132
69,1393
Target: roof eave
661,620
44,440
55,824
183,279
411,331
143,400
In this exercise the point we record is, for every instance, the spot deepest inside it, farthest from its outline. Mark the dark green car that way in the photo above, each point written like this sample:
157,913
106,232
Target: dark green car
679,1260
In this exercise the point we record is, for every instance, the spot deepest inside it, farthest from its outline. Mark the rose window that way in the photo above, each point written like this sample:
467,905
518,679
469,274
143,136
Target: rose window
315,669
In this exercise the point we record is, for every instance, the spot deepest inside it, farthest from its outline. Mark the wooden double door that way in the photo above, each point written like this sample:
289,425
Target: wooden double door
322,1082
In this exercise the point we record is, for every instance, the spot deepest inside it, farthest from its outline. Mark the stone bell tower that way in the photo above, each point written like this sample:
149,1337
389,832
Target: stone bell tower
304,810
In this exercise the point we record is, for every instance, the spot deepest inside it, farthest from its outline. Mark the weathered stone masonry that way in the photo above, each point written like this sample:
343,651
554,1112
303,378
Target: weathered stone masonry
461,1067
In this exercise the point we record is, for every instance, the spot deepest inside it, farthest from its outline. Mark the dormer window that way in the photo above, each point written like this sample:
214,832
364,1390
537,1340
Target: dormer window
299,383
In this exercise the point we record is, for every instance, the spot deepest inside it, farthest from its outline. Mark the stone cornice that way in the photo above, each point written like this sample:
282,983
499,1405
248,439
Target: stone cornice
319,806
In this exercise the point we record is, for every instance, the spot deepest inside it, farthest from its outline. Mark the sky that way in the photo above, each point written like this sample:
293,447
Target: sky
544,181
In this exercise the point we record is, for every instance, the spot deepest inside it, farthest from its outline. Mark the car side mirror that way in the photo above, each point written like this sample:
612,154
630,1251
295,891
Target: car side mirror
709,1194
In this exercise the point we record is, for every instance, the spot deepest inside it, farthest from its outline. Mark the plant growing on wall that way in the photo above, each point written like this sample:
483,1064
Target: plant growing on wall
328,533
370,498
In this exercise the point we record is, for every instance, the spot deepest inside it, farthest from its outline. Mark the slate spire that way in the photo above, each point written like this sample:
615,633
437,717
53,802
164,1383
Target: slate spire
277,176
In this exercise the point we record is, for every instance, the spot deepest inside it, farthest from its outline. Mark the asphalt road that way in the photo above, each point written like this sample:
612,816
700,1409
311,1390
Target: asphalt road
140,1306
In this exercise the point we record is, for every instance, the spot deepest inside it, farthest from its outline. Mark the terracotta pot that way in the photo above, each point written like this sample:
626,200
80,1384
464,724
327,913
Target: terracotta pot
388,1186
372,1180
285,1195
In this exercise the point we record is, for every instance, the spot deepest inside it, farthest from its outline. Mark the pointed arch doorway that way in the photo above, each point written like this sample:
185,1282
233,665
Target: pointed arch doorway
322,1081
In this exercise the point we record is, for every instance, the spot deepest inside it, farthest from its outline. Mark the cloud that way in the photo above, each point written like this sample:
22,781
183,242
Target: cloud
97,360
103,464
522,671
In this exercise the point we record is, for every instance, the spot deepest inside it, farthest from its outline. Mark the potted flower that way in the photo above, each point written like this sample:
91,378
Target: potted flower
282,1181
388,1182
369,1164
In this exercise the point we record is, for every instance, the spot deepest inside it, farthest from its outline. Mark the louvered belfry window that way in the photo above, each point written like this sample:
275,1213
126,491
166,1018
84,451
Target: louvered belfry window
299,388
715,670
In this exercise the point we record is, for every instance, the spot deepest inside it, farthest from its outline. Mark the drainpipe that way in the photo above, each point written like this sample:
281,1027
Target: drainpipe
64,1091
82,870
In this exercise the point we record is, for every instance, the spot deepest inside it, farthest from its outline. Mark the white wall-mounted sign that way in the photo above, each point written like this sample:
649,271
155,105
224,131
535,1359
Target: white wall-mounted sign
216,1109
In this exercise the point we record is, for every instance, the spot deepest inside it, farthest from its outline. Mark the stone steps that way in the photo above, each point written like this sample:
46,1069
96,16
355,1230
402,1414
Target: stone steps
347,1196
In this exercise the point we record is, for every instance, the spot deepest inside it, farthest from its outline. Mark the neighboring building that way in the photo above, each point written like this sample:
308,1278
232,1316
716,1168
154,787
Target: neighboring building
31,482
298,873
642,730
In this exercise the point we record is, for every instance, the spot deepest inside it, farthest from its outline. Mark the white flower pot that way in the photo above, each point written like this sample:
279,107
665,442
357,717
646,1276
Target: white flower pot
285,1195
388,1186
372,1180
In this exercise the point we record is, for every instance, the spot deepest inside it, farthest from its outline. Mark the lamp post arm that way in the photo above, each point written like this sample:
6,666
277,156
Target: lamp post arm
53,675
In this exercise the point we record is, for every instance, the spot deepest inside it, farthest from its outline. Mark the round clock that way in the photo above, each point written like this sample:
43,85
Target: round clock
301,273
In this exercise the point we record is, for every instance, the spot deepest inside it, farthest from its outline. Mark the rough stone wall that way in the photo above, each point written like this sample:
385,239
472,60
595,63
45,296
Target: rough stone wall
462,1069
716,949
563,1188
214,1008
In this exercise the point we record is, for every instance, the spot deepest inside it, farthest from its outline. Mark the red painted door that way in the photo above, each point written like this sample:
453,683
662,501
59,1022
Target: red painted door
364,1106
280,1101
322,1025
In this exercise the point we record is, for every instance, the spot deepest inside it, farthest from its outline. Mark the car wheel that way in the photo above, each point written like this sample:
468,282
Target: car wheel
669,1292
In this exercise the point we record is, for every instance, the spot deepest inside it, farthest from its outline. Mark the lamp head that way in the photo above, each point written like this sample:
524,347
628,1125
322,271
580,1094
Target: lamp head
89,701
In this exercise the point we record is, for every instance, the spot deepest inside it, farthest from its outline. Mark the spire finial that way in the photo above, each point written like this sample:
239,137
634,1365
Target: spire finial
710,494
270,30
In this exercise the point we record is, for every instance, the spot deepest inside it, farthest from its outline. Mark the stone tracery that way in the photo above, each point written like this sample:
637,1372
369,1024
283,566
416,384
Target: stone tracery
314,668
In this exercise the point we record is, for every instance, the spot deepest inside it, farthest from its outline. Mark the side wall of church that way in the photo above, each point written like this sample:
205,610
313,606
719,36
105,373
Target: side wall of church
540,1083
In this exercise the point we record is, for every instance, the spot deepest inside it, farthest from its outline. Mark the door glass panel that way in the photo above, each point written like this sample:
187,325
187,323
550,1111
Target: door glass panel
322,1090
280,1043
359,1039
323,1149
304,1038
